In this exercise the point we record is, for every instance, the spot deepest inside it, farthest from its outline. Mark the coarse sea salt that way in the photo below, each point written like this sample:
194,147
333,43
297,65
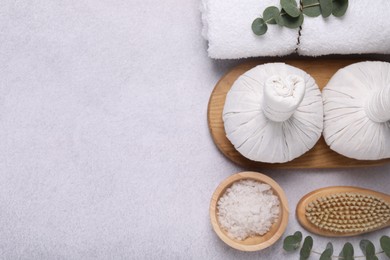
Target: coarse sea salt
248,208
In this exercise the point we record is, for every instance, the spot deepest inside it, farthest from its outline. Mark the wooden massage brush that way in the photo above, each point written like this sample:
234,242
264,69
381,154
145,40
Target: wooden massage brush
343,211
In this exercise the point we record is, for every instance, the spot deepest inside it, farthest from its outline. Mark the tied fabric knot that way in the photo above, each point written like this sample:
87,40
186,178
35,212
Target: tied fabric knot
282,96
378,106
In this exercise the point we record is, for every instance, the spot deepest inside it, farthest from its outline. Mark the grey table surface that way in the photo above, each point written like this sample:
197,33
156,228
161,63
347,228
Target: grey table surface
105,151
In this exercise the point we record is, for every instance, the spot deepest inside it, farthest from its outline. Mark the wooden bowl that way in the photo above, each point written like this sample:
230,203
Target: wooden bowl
257,242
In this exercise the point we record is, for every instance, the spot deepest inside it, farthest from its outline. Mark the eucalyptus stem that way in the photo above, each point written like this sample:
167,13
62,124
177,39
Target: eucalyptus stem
316,4
306,6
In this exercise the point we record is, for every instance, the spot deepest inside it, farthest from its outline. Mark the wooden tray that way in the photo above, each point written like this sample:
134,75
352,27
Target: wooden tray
320,156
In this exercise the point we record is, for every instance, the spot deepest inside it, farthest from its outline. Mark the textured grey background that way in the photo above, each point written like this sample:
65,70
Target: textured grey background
105,151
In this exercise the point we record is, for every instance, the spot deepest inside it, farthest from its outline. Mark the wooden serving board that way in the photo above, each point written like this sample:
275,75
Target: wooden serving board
320,156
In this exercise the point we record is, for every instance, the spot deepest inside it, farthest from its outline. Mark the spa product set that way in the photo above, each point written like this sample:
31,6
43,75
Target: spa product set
274,113
300,114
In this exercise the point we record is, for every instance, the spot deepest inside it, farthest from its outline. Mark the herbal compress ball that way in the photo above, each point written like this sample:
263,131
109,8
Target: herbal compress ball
357,111
273,113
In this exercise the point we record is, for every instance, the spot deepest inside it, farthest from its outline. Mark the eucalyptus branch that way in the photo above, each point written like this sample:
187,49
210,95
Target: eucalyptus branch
338,257
290,15
293,242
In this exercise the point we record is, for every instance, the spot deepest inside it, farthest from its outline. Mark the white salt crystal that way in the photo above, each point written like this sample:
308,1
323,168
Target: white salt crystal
248,208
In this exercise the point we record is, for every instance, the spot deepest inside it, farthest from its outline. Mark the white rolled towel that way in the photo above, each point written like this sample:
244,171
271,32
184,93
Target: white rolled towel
364,28
227,27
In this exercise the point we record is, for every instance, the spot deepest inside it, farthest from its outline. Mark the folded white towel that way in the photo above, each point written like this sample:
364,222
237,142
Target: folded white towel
365,28
227,27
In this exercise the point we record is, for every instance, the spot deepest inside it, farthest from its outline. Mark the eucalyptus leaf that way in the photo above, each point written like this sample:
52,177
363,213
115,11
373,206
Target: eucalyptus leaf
385,244
326,7
270,14
363,245
298,235
328,252
291,7
259,27
293,242
291,22
368,249
311,8
306,248
347,252
279,19
339,7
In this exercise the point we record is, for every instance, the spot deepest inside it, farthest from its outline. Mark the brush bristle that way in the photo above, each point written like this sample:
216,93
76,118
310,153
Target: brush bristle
348,212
